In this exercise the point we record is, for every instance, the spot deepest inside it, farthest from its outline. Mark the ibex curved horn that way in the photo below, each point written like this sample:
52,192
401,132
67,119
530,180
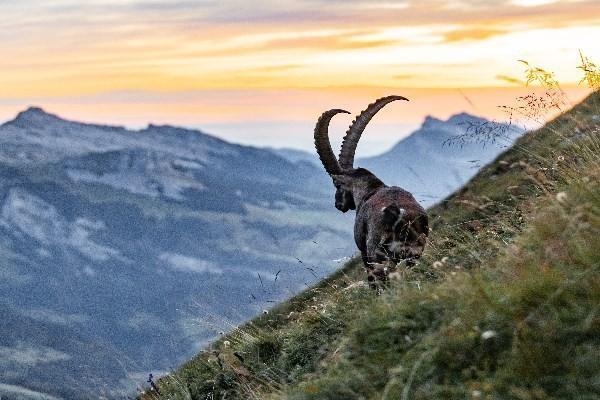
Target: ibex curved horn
346,159
322,142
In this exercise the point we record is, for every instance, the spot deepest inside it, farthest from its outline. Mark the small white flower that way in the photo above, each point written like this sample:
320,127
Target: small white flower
561,197
226,343
395,276
476,394
488,335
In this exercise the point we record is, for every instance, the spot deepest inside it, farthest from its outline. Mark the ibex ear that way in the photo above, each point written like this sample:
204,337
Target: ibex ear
342,181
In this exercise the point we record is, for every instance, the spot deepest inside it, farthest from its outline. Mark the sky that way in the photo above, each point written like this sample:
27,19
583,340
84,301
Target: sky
261,72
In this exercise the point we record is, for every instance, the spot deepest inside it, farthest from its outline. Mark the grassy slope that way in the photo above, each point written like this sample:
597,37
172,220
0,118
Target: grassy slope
505,304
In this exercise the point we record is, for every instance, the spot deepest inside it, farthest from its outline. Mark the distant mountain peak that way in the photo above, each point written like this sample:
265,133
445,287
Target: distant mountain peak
463,114
34,117
35,112
463,117
454,119
34,109
430,120
158,127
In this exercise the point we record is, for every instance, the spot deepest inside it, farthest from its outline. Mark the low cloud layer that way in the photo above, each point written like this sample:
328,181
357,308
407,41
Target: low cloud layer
182,263
28,356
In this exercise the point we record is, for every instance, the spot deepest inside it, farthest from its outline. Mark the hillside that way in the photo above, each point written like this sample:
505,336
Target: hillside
504,305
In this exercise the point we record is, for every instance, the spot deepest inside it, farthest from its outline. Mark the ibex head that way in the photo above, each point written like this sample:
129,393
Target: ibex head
343,197
351,184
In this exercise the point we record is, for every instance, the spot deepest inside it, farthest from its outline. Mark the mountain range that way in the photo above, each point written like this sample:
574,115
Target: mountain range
436,159
115,243
125,252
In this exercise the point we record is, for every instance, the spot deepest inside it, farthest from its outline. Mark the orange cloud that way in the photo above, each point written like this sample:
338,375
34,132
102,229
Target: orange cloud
474,33
340,42
139,45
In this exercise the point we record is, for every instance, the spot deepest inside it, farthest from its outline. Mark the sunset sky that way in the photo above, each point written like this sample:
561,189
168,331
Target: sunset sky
262,71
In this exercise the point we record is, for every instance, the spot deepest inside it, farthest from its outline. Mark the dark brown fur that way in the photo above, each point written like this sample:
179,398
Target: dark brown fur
390,224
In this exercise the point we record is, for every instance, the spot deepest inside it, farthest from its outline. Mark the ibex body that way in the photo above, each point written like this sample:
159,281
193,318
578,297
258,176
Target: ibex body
390,224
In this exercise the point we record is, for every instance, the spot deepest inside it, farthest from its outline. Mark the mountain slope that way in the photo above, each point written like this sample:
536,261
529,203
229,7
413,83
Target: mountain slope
114,242
503,304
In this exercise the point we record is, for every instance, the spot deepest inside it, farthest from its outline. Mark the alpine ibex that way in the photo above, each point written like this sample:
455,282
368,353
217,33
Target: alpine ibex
390,225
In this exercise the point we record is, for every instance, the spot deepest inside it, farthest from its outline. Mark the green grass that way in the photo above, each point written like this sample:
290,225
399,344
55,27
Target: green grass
505,304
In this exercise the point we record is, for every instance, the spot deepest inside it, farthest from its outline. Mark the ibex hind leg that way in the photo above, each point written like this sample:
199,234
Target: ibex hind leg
381,272
376,274
369,269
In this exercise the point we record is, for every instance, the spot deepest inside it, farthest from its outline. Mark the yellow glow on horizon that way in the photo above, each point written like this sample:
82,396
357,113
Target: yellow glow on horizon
285,118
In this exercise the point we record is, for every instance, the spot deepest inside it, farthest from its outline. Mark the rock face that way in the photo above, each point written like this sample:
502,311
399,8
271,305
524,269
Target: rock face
123,252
